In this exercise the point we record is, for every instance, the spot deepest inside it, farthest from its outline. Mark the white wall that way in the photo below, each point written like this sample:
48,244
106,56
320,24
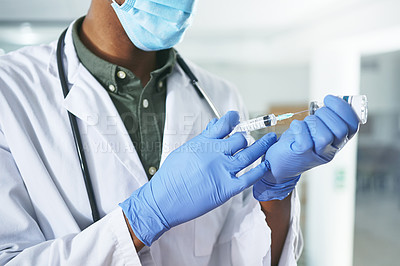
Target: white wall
42,10
331,187
262,86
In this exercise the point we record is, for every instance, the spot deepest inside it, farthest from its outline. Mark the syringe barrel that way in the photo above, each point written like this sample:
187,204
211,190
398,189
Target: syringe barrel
359,103
256,123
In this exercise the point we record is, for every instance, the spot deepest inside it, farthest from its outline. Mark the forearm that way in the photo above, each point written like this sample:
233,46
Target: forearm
277,214
138,244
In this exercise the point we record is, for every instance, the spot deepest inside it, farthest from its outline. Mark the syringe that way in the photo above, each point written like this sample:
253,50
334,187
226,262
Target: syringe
262,122
359,103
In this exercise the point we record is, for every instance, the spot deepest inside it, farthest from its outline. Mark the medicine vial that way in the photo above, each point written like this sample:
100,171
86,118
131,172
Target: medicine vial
359,103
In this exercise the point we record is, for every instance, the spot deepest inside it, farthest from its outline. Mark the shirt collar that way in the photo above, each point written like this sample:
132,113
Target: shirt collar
106,72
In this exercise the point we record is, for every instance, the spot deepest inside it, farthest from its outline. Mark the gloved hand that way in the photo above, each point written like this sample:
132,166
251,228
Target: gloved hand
194,179
305,145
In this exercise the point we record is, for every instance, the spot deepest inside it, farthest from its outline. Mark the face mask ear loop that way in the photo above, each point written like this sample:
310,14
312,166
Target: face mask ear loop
115,2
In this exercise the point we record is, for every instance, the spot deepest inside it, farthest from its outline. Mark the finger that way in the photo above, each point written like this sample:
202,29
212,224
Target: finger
320,133
223,126
302,136
235,143
255,151
336,125
344,111
251,177
211,123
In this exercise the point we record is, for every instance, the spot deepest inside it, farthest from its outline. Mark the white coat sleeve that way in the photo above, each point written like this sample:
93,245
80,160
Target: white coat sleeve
107,242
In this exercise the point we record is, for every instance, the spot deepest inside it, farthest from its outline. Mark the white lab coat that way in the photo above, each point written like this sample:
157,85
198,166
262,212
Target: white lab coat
45,217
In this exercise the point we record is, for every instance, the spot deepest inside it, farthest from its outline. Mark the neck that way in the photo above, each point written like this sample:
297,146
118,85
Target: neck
103,34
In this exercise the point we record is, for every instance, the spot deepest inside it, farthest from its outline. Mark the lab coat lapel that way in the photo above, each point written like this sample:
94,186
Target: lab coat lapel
90,102
186,113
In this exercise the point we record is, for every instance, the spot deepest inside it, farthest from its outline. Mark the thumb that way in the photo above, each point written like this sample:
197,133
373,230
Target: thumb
302,136
211,123
221,128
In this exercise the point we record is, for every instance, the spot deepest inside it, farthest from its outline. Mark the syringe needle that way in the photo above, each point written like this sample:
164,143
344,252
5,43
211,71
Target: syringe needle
301,112
288,115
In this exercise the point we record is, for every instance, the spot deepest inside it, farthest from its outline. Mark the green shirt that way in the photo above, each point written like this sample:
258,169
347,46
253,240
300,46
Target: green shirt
141,109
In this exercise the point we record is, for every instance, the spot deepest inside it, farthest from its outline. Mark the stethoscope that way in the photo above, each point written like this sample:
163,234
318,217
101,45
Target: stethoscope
75,130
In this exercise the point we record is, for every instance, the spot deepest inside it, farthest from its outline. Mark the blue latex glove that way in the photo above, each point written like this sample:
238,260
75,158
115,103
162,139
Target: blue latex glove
305,145
194,179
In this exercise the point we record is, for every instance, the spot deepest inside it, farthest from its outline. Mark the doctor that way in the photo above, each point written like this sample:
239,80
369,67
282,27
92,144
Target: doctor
164,180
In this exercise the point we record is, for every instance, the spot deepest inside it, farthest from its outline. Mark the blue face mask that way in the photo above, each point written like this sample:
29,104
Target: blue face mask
154,25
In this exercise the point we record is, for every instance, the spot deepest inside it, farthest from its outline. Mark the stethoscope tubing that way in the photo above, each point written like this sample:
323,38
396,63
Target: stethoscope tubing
75,133
195,83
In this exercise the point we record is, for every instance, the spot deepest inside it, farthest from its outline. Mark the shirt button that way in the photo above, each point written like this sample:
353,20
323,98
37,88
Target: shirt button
112,88
152,170
160,84
121,74
145,103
